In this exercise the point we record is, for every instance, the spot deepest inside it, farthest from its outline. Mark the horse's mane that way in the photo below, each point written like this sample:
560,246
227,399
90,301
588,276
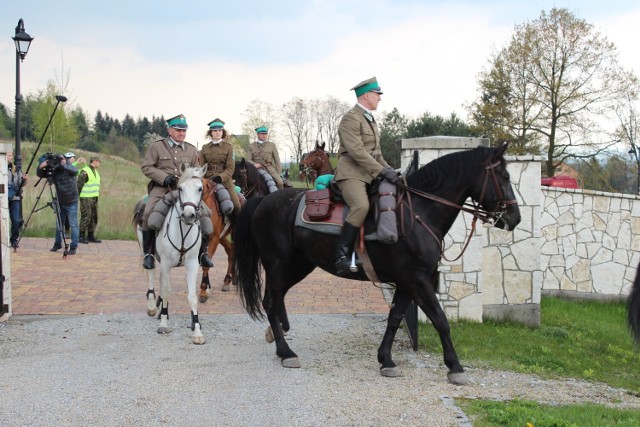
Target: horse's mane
447,171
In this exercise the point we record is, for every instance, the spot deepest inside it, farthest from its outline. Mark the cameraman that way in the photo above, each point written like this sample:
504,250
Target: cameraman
62,173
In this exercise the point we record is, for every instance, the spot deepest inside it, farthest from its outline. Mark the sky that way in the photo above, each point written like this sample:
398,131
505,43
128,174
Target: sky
208,59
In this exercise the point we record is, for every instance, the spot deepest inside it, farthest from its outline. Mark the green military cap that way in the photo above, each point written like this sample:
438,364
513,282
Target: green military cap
262,129
178,122
216,124
369,85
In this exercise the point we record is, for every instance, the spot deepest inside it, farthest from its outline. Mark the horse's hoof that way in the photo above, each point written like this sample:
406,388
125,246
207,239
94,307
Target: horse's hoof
199,340
391,372
151,312
163,330
225,287
291,362
268,335
203,298
458,378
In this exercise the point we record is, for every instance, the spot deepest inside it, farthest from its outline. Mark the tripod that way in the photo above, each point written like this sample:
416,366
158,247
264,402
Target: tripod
53,204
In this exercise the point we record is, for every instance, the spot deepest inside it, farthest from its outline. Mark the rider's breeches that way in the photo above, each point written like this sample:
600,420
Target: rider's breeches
354,193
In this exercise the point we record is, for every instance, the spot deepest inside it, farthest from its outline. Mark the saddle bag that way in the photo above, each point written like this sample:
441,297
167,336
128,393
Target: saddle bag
318,204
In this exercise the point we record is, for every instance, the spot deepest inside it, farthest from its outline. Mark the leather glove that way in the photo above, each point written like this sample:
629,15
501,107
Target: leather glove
390,175
170,181
217,180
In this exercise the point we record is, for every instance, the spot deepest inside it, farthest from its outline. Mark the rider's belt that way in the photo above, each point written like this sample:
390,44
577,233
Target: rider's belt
216,167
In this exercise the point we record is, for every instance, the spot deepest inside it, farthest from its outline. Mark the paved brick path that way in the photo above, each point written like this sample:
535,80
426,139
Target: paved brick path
108,278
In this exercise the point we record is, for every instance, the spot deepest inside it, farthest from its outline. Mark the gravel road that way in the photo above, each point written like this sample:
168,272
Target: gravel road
116,370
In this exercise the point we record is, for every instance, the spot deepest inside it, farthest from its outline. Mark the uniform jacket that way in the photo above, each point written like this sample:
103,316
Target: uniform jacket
219,157
162,160
359,155
267,155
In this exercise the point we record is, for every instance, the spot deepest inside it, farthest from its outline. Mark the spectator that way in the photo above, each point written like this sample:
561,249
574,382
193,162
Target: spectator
16,180
63,176
89,189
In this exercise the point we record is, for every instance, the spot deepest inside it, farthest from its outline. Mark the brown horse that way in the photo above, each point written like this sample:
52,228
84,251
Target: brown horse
316,163
219,237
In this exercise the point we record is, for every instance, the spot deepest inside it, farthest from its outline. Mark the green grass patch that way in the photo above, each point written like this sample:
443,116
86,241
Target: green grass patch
525,413
576,339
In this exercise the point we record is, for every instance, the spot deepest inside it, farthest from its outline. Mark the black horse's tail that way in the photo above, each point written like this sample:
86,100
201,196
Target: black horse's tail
633,307
246,261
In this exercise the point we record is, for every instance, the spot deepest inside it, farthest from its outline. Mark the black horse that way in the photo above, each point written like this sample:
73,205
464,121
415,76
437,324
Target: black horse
247,177
633,309
266,234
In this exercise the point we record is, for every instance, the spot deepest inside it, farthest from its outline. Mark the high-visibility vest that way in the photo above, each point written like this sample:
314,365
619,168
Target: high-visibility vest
91,188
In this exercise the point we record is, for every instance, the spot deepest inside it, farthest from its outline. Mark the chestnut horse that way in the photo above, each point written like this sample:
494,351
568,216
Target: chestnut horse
315,164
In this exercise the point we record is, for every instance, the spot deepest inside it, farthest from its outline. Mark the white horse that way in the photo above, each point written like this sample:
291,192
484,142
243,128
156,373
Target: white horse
177,244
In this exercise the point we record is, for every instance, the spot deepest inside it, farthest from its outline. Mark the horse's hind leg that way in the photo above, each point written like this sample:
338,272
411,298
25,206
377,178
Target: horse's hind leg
228,278
273,303
205,285
388,367
151,294
165,290
192,273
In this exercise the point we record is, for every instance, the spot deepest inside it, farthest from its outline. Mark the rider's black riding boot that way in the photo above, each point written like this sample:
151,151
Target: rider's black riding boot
346,243
147,247
204,258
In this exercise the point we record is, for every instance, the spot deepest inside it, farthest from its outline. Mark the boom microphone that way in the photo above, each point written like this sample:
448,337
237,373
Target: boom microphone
61,98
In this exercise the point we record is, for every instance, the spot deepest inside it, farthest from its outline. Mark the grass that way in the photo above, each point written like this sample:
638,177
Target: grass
576,339
525,413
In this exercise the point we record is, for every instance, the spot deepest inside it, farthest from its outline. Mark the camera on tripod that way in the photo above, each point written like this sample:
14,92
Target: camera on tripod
53,163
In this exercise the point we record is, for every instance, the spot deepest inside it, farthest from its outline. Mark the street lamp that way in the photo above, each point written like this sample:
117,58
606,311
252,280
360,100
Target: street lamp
633,152
23,41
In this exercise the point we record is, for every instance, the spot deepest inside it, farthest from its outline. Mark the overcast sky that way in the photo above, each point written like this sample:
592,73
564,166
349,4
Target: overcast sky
209,59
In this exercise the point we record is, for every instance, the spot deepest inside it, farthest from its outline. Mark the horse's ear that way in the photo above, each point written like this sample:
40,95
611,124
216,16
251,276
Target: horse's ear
322,146
501,149
183,167
243,162
204,169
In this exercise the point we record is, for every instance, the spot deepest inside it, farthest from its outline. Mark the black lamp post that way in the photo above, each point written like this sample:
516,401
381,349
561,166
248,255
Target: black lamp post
23,41
633,152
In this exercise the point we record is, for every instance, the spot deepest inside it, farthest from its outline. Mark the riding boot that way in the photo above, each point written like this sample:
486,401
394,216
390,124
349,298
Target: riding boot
346,243
205,260
82,239
147,247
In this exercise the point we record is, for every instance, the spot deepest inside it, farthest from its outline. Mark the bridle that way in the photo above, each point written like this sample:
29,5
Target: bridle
474,208
244,186
183,235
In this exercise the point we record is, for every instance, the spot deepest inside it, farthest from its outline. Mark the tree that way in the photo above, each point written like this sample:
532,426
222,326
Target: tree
296,116
256,114
627,131
392,129
328,114
550,88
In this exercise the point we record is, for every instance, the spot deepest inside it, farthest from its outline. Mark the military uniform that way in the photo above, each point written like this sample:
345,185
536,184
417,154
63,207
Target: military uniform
219,158
266,154
359,162
89,188
163,158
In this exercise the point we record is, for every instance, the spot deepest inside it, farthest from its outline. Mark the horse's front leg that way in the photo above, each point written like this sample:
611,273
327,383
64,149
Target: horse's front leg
399,305
434,312
192,276
165,290
151,294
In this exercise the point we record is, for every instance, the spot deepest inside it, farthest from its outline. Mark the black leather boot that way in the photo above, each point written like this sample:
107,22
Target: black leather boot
82,239
92,238
148,261
347,241
205,260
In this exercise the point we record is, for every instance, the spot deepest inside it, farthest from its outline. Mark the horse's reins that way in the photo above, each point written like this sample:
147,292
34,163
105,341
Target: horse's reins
182,250
473,208
245,184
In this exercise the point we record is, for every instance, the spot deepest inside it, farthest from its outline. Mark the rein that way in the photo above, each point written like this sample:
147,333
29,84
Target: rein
473,208
182,250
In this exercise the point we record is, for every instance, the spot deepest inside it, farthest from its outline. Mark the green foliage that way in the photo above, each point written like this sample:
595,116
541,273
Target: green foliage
525,413
586,340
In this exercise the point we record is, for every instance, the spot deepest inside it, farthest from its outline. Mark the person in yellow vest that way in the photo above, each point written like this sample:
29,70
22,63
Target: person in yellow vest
89,190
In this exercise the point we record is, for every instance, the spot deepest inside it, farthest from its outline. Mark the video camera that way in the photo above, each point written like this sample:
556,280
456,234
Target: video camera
53,162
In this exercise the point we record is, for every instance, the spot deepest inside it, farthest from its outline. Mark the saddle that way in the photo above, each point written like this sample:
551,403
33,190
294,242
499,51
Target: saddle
324,210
